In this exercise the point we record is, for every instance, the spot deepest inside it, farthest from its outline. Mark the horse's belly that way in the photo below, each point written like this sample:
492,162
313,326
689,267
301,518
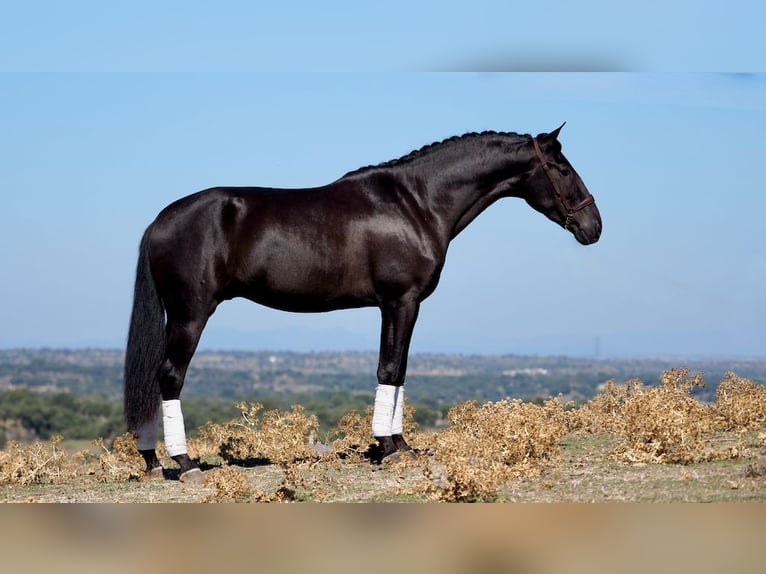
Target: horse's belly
307,302
308,305
308,290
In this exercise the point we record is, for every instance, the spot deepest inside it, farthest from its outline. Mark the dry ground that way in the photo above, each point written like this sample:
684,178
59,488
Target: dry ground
585,472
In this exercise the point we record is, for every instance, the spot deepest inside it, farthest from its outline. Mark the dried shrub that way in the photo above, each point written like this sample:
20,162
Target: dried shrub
210,439
284,438
229,483
354,435
289,441
123,462
409,426
38,463
740,404
665,423
487,445
206,444
235,441
604,412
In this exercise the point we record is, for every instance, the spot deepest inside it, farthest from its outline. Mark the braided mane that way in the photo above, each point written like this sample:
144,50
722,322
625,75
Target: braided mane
429,148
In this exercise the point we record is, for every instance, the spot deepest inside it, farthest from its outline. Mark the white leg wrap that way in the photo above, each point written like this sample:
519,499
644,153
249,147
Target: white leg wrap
397,426
146,434
173,424
383,413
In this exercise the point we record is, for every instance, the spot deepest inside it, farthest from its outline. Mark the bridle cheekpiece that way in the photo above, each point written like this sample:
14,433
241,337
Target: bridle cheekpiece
570,209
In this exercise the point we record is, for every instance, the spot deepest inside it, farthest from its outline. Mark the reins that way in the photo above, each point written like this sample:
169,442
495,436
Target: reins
571,210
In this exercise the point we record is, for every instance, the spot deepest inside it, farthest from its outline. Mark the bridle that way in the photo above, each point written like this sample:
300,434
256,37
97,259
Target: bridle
571,210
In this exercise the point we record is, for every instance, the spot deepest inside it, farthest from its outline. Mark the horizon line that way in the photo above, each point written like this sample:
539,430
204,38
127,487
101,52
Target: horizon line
596,358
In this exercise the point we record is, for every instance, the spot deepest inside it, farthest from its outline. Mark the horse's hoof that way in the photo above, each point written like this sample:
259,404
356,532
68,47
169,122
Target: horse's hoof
399,456
409,454
400,443
155,473
192,476
391,458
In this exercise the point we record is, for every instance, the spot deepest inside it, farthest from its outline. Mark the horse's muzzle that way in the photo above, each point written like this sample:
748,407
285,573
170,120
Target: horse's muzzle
587,233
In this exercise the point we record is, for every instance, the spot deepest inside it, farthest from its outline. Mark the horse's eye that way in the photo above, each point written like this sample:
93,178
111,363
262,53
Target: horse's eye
565,172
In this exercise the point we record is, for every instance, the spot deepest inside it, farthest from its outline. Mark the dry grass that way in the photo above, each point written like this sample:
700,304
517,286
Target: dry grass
487,451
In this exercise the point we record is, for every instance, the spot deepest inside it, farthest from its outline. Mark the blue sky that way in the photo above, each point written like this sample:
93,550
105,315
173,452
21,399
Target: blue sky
398,35
109,112
674,161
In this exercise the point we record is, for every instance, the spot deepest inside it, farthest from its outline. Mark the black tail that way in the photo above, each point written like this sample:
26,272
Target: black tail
146,345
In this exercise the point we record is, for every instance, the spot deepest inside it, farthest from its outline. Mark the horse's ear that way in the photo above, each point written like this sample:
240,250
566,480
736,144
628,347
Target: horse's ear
553,135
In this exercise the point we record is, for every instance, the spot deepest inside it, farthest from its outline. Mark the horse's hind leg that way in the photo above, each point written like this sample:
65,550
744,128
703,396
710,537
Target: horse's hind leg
182,339
146,441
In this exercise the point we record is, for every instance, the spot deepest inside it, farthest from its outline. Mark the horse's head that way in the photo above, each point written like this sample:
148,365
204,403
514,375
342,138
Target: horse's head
555,190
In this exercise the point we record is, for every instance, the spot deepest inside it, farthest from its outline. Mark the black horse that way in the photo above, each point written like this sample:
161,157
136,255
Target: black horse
377,236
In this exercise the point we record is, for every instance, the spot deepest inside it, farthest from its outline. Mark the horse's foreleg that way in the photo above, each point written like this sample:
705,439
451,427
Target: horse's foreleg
398,321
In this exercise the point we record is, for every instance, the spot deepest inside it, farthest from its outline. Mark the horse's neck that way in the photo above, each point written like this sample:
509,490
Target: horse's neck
465,188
